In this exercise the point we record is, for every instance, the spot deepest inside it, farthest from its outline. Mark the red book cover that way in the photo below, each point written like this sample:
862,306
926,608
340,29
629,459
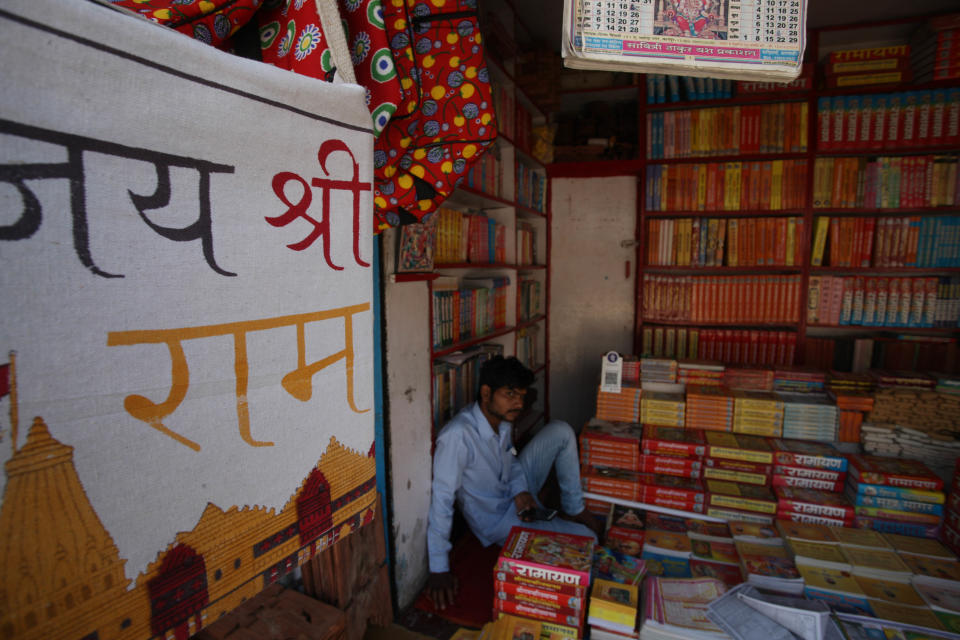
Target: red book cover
566,604
670,465
866,253
543,555
626,540
894,472
543,586
537,613
814,502
815,473
621,436
592,459
802,453
810,518
894,134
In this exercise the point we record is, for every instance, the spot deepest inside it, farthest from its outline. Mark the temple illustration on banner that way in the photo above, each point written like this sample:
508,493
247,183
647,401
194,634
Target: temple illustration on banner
61,574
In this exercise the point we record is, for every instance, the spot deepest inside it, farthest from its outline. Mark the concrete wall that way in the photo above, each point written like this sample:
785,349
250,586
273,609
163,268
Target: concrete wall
591,287
407,343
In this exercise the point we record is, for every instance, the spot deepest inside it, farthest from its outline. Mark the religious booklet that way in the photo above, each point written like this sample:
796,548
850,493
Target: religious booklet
415,245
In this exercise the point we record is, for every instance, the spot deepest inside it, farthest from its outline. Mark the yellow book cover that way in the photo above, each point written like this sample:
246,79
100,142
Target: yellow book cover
664,191
465,634
820,229
613,601
733,242
890,590
791,240
712,473
741,496
523,629
776,185
806,531
920,616
829,579
554,631
932,567
818,554
866,559
919,546
671,540
859,537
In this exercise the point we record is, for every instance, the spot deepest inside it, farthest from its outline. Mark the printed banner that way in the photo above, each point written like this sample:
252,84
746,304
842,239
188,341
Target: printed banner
733,39
186,353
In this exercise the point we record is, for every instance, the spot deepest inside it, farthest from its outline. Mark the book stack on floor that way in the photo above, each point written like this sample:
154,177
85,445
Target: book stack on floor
613,608
905,483
676,609
758,413
808,465
749,379
663,408
700,372
809,416
709,407
658,370
544,576
623,406
950,534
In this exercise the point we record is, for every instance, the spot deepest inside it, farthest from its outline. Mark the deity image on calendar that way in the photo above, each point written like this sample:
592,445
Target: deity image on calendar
705,19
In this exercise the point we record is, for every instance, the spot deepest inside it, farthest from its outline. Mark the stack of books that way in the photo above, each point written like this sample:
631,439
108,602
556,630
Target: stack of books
809,465
809,416
906,481
758,413
676,608
709,407
613,606
936,49
700,372
851,407
951,523
739,460
813,505
663,408
658,370
750,379
800,379
611,444
657,489
619,407
737,500
544,576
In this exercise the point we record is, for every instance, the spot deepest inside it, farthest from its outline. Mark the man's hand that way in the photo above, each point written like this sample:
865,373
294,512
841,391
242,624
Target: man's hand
442,588
524,501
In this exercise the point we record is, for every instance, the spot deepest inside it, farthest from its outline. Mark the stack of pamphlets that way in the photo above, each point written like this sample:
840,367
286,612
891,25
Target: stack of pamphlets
809,416
709,407
676,609
658,370
801,379
613,606
544,576
758,413
663,408
758,379
700,372
937,447
905,480
623,406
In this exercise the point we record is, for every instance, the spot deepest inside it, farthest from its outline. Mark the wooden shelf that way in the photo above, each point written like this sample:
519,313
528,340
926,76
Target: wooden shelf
436,352
532,321
942,210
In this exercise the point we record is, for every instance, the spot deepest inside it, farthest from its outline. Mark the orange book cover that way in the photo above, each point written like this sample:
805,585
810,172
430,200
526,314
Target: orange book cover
746,186
766,180
781,247
799,242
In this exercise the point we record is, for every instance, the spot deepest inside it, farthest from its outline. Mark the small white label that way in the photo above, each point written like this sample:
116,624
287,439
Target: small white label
611,372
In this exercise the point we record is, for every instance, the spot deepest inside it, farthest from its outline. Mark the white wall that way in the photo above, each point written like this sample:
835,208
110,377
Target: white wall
591,288
406,318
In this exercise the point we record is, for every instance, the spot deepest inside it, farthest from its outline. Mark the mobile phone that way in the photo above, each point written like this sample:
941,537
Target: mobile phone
530,515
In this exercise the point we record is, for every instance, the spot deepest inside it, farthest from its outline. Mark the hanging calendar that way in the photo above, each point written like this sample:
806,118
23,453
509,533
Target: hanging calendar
733,39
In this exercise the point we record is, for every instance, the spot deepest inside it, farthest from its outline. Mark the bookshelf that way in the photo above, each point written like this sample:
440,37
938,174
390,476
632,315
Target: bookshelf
783,217
487,292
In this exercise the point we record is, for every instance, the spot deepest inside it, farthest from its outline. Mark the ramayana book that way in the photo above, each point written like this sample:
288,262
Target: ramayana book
543,555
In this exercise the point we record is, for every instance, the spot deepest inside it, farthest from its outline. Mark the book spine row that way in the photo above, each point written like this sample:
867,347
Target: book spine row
455,383
721,299
662,88
769,185
505,109
734,346
721,131
887,182
531,187
938,57
465,237
733,242
530,302
467,313
526,243
486,174
905,241
883,302
529,352
885,121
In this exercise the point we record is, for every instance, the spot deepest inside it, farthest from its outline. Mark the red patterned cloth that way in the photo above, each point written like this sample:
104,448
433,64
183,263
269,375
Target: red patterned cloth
445,118
209,21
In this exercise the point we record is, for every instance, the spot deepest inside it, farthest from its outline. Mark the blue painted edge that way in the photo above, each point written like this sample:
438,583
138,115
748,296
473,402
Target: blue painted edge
378,384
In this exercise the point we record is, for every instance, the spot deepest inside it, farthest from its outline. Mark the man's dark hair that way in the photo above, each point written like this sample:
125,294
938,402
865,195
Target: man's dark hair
505,372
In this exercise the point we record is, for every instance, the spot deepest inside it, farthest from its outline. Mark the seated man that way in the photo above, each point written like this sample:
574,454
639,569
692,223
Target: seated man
476,466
